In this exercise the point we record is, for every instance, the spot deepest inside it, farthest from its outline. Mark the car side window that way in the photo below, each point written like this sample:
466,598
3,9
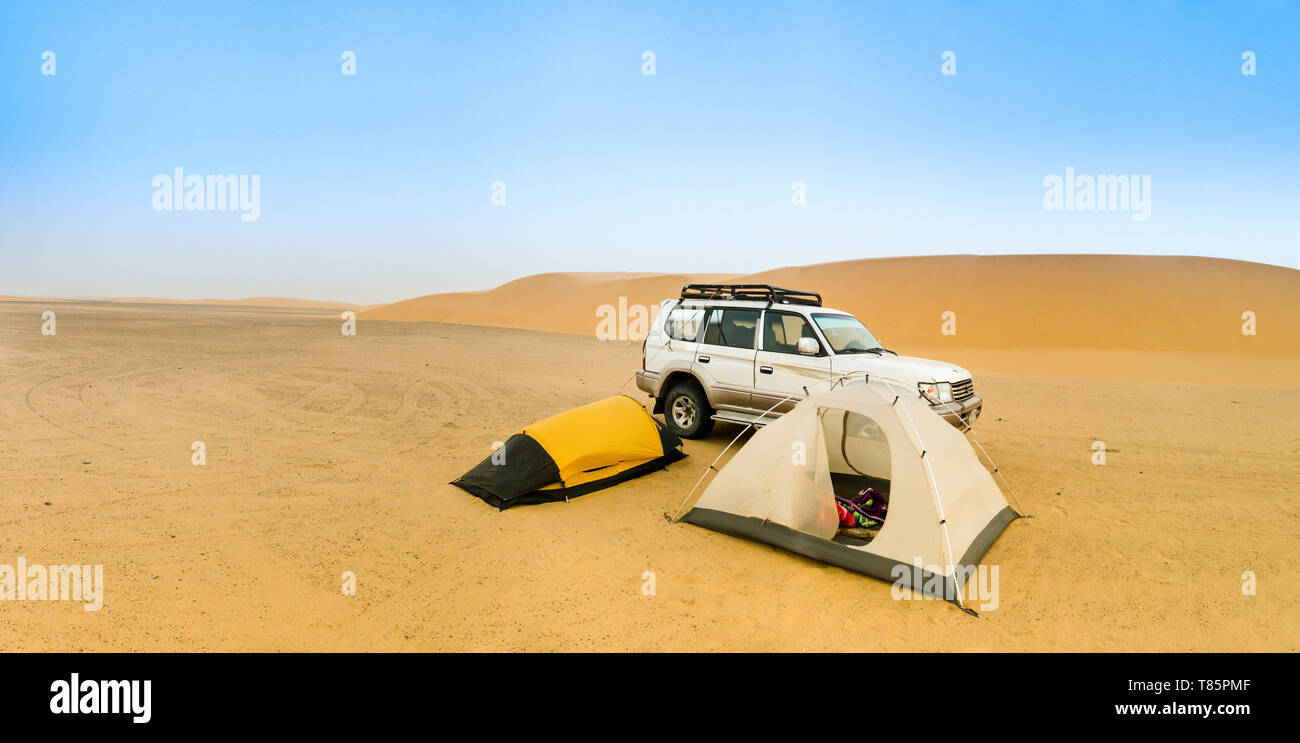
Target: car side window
782,331
735,328
684,323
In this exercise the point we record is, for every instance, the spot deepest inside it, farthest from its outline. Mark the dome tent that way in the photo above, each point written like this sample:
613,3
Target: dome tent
944,512
573,453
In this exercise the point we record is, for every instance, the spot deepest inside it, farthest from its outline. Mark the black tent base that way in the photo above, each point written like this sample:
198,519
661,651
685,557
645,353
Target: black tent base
834,553
563,494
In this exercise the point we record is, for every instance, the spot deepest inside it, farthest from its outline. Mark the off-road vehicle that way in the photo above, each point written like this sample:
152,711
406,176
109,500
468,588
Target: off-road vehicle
734,352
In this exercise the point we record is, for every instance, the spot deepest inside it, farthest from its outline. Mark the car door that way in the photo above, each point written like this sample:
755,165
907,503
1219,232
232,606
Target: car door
780,370
724,360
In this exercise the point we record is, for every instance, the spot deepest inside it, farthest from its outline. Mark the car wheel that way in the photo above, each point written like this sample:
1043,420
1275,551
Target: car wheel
687,412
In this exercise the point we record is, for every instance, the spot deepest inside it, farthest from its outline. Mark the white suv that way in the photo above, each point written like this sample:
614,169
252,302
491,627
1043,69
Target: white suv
732,352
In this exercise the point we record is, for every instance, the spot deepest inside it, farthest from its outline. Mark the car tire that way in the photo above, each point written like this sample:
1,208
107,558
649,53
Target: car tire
687,412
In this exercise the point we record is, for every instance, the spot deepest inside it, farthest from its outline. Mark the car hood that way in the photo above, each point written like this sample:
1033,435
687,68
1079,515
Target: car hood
909,369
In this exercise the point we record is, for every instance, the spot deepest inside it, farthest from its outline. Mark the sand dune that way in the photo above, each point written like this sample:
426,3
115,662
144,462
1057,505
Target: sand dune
565,302
1151,303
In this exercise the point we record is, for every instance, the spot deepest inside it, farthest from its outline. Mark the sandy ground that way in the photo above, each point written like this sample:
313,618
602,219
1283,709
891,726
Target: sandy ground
328,454
275,302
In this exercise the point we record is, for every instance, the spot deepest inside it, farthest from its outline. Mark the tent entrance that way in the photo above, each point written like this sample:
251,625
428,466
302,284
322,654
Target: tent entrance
857,453
848,485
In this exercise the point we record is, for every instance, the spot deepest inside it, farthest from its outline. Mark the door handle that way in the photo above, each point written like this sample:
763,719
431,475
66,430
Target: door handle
703,359
764,370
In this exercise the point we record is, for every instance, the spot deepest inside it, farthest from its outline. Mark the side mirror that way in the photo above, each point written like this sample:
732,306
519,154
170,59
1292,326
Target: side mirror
809,347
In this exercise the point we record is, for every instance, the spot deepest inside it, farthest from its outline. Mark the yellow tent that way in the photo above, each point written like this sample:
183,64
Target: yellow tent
572,453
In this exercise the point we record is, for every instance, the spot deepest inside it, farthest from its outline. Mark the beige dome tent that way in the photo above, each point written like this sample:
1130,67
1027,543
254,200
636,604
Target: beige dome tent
944,511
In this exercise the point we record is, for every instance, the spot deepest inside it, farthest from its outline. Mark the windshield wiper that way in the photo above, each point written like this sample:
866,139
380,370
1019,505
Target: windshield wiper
876,350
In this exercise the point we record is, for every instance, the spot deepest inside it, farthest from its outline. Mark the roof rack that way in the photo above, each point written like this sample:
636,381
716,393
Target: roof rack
752,293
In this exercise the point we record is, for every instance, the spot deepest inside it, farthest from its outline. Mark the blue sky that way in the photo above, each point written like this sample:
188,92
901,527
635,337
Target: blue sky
378,187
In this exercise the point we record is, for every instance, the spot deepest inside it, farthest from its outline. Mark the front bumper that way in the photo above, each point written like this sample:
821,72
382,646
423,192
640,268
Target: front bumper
961,414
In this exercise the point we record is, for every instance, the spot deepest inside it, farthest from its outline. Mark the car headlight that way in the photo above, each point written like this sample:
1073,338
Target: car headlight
936,392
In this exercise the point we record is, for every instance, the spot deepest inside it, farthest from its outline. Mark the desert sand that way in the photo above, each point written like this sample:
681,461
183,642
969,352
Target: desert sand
279,302
285,302
328,454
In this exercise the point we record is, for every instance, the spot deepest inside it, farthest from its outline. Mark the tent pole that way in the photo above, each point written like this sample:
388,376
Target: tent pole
970,430
713,467
1020,511
938,502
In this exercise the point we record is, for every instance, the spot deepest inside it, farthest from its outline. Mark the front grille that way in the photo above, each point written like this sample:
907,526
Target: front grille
963,390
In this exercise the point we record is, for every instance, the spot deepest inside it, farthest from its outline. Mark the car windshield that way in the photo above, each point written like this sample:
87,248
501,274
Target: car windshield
846,334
